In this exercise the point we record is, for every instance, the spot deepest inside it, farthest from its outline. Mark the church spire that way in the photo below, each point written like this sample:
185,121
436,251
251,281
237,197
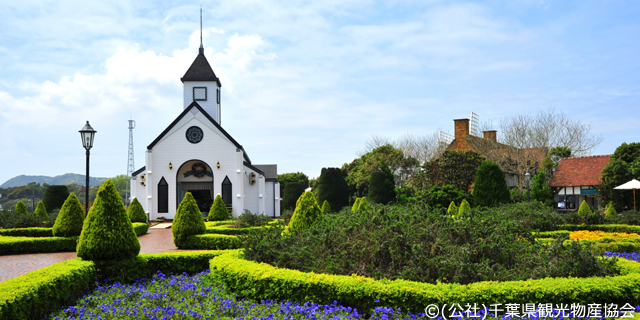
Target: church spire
201,51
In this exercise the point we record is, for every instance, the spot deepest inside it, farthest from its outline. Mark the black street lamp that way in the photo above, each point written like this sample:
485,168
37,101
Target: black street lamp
87,133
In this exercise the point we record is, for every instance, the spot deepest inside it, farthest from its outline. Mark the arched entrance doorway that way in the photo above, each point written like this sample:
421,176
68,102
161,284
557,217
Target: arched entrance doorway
195,176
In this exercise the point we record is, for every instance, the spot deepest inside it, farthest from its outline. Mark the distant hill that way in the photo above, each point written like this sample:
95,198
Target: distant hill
65,179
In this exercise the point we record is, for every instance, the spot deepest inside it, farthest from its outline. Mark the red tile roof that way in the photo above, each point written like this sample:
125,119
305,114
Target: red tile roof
579,171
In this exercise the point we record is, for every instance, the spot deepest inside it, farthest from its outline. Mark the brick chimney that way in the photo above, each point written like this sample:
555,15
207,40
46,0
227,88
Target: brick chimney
491,135
461,128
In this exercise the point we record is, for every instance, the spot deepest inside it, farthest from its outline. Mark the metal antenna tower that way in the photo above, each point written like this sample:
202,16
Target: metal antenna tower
131,167
475,124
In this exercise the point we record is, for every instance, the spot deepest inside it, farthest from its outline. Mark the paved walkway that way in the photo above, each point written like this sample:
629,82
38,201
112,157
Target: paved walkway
156,240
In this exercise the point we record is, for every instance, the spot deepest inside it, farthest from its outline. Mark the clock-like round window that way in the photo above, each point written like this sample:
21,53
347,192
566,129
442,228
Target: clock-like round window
194,134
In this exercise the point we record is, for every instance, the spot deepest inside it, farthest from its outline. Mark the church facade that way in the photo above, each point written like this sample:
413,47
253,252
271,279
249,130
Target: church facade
195,154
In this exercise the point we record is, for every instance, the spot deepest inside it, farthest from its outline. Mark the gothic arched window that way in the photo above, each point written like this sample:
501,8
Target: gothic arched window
226,191
163,196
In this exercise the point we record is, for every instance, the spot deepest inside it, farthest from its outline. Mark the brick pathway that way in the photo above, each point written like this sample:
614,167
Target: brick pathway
155,241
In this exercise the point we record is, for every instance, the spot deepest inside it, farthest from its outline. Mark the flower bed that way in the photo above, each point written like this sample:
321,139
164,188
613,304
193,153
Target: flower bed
633,256
596,235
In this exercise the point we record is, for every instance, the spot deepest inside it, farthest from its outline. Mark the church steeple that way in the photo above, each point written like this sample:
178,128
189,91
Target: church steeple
201,84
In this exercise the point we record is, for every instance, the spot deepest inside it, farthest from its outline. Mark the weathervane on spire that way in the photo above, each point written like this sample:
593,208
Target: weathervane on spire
201,47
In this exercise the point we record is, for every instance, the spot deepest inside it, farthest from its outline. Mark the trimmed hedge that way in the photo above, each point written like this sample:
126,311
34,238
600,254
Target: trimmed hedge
140,228
231,231
212,242
40,292
27,232
551,234
602,227
262,281
20,245
211,224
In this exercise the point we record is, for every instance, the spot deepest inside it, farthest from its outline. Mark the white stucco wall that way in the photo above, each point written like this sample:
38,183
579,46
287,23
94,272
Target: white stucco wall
211,105
250,192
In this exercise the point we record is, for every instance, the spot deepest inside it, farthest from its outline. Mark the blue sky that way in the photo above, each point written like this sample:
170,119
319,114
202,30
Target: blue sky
305,83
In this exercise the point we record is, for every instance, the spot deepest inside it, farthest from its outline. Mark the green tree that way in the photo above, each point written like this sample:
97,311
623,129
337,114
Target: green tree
54,197
490,188
332,187
70,219
291,177
218,211
540,190
188,221
620,169
465,208
453,209
584,209
292,193
40,211
136,212
120,181
382,185
107,232
442,196
306,212
21,208
553,157
326,207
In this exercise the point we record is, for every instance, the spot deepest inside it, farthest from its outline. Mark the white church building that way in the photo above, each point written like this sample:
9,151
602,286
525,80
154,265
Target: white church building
195,154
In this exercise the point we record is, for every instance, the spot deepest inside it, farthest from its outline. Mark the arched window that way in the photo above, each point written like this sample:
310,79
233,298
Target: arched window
226,191
163,196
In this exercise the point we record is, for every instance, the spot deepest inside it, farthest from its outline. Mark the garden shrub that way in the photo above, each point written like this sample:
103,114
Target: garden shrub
22,245
363,204
306,212
42,291
382,185
602,227
333,188
218,211
27,232
292,192
584,209
211,242
41,212
136,212
517,196
248,219
107,232
55,197
326,207
11,219
211,224
70,219
140,228
465,208
629,217
21,208
490,188
453,209
188,221
261,281
411,243
540,190
552,234
230,230
610,212
441,196
356,205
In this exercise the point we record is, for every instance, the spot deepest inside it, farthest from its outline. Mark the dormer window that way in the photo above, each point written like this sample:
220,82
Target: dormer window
200,93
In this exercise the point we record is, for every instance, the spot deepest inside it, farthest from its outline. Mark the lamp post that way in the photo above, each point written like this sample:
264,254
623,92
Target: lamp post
527,179
87,133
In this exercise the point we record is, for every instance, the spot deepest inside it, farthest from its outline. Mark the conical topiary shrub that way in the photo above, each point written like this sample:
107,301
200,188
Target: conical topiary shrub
188,221
306,212
356,205
611,211
364,204
70,219
107,233
453,209
218,211
584,209
490,188
41,212
465,208
136,212
21,208
326,208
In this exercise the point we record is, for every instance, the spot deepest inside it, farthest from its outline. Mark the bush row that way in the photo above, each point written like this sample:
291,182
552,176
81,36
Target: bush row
231,231
140,228
602,227
40,292
211,242
27,232
261,281
19,245
552,234
211,224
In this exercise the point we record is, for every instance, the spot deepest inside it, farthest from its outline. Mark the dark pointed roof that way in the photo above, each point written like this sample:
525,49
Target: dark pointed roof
200,70
184,113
